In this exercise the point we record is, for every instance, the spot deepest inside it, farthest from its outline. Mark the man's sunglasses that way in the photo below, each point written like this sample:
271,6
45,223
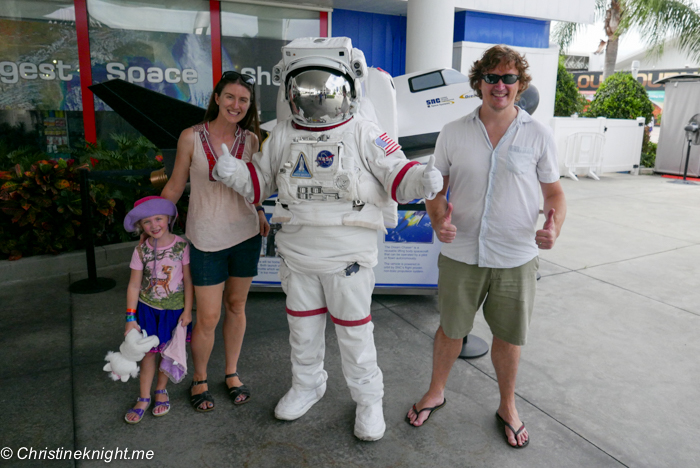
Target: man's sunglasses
234,75
492,78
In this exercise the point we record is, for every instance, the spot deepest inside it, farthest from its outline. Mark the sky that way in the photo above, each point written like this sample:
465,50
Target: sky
590,36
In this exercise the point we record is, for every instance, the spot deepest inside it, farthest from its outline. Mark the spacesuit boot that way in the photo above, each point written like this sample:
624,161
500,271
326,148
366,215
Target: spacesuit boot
369,421
364,378
307,338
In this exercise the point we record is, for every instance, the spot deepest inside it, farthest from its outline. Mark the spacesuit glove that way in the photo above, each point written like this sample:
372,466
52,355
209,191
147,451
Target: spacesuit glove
432,179
226,167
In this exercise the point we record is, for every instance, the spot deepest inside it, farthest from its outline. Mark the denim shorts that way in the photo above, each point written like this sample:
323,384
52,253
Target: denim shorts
240,261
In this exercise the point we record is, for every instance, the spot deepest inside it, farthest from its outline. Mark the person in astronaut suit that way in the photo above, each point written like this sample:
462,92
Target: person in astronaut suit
337,176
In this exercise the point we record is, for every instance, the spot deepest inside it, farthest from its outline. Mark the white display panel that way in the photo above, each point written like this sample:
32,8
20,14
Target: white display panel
407,256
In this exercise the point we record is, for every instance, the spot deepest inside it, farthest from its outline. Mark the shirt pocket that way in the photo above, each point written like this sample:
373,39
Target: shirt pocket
520,159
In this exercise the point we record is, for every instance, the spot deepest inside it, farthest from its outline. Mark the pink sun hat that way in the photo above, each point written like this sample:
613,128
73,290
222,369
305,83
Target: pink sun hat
147,207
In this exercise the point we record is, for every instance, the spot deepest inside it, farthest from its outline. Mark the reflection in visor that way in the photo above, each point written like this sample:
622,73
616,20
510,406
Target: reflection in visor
319,97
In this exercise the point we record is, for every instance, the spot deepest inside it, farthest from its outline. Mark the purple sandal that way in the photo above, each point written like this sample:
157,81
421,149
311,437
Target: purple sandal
161,403
136,411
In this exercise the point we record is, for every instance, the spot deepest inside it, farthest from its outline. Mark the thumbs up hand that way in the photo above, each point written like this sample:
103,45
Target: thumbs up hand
226,166
432,179
233,173
546,236
446,231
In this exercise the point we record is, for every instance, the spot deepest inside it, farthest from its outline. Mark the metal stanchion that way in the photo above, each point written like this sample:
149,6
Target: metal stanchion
473,347
92,284
685,172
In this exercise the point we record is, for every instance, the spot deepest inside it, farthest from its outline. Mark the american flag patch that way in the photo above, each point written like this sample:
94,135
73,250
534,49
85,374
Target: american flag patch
387,144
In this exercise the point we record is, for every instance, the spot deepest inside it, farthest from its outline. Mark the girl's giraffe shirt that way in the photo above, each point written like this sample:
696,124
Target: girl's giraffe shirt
161,285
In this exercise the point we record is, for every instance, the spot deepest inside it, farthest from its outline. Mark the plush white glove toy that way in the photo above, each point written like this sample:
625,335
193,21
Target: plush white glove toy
432,179
122,364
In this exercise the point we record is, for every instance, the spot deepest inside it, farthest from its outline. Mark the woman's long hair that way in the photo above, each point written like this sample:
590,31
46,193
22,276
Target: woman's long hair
251,121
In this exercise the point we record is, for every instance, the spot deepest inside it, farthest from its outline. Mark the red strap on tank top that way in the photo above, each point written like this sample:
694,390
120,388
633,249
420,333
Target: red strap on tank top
236,149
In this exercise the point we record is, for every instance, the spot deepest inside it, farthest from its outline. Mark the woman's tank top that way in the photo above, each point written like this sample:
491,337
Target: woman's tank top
218,217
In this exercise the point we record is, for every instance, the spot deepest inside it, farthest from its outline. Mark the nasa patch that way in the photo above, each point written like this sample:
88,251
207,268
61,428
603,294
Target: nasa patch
325,159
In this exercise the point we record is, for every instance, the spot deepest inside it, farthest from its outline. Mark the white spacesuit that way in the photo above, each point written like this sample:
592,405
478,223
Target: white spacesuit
338,179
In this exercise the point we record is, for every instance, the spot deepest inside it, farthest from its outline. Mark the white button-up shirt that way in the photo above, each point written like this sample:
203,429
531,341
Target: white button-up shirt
495,191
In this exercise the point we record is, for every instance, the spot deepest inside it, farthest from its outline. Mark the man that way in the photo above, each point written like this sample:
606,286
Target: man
492,161
337,175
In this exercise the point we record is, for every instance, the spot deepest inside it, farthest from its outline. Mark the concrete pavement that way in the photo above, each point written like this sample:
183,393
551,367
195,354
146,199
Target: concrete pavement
609,376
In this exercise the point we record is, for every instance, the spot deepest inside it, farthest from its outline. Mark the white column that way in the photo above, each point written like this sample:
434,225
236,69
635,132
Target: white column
429,34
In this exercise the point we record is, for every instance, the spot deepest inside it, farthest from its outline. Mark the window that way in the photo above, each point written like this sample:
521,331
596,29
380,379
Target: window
39,75
162,45
252,37
427,81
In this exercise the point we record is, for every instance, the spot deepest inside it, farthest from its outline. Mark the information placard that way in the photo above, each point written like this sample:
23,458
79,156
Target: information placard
407,255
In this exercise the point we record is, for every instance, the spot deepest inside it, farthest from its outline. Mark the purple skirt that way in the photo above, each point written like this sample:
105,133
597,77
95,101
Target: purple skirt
159,322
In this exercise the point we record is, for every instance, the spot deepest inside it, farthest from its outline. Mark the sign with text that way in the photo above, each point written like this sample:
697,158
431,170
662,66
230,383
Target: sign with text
39,66
590,81
407,255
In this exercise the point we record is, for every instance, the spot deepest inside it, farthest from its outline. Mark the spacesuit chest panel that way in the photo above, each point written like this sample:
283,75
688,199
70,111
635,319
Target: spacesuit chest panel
317,170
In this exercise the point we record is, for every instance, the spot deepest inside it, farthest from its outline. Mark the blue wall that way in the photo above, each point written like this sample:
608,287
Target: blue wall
382,38
497,29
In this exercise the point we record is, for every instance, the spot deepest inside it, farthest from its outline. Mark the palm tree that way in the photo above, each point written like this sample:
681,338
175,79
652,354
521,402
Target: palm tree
658,20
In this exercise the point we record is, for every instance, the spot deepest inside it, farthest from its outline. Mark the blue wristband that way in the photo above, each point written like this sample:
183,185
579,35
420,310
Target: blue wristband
260,208
130,318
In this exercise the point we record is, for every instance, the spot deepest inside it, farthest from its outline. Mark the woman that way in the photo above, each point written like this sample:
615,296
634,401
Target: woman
223,228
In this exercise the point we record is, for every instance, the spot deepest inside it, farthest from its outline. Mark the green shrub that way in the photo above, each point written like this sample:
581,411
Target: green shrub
17,137
25,156
130,154
648,152
41,209
568,100
621,97
40,206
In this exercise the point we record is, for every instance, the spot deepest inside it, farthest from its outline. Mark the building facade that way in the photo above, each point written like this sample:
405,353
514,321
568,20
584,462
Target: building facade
52,50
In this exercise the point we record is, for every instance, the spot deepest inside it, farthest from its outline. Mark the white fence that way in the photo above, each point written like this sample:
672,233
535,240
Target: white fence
621,150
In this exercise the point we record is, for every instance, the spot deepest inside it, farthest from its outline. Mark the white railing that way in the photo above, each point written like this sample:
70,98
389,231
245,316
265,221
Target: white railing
580,155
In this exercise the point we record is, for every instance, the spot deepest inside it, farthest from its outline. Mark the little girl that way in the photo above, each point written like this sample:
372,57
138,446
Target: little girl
160,292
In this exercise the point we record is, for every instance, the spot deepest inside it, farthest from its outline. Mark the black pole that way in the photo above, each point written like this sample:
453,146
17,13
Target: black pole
687,159
92,284
473,347
685,180
87,225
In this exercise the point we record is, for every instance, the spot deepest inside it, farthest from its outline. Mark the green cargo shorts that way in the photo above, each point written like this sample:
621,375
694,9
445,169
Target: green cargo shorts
507,295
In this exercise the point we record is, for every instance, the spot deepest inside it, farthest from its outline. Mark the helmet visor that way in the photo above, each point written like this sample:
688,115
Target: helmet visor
319,96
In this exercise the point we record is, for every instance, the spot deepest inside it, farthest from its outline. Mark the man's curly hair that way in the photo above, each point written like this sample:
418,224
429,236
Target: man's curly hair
494,57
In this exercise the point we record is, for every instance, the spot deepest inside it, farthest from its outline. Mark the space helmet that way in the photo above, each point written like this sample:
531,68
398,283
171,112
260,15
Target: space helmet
321,79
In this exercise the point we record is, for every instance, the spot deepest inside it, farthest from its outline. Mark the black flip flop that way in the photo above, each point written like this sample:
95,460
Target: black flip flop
515,433
430,412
